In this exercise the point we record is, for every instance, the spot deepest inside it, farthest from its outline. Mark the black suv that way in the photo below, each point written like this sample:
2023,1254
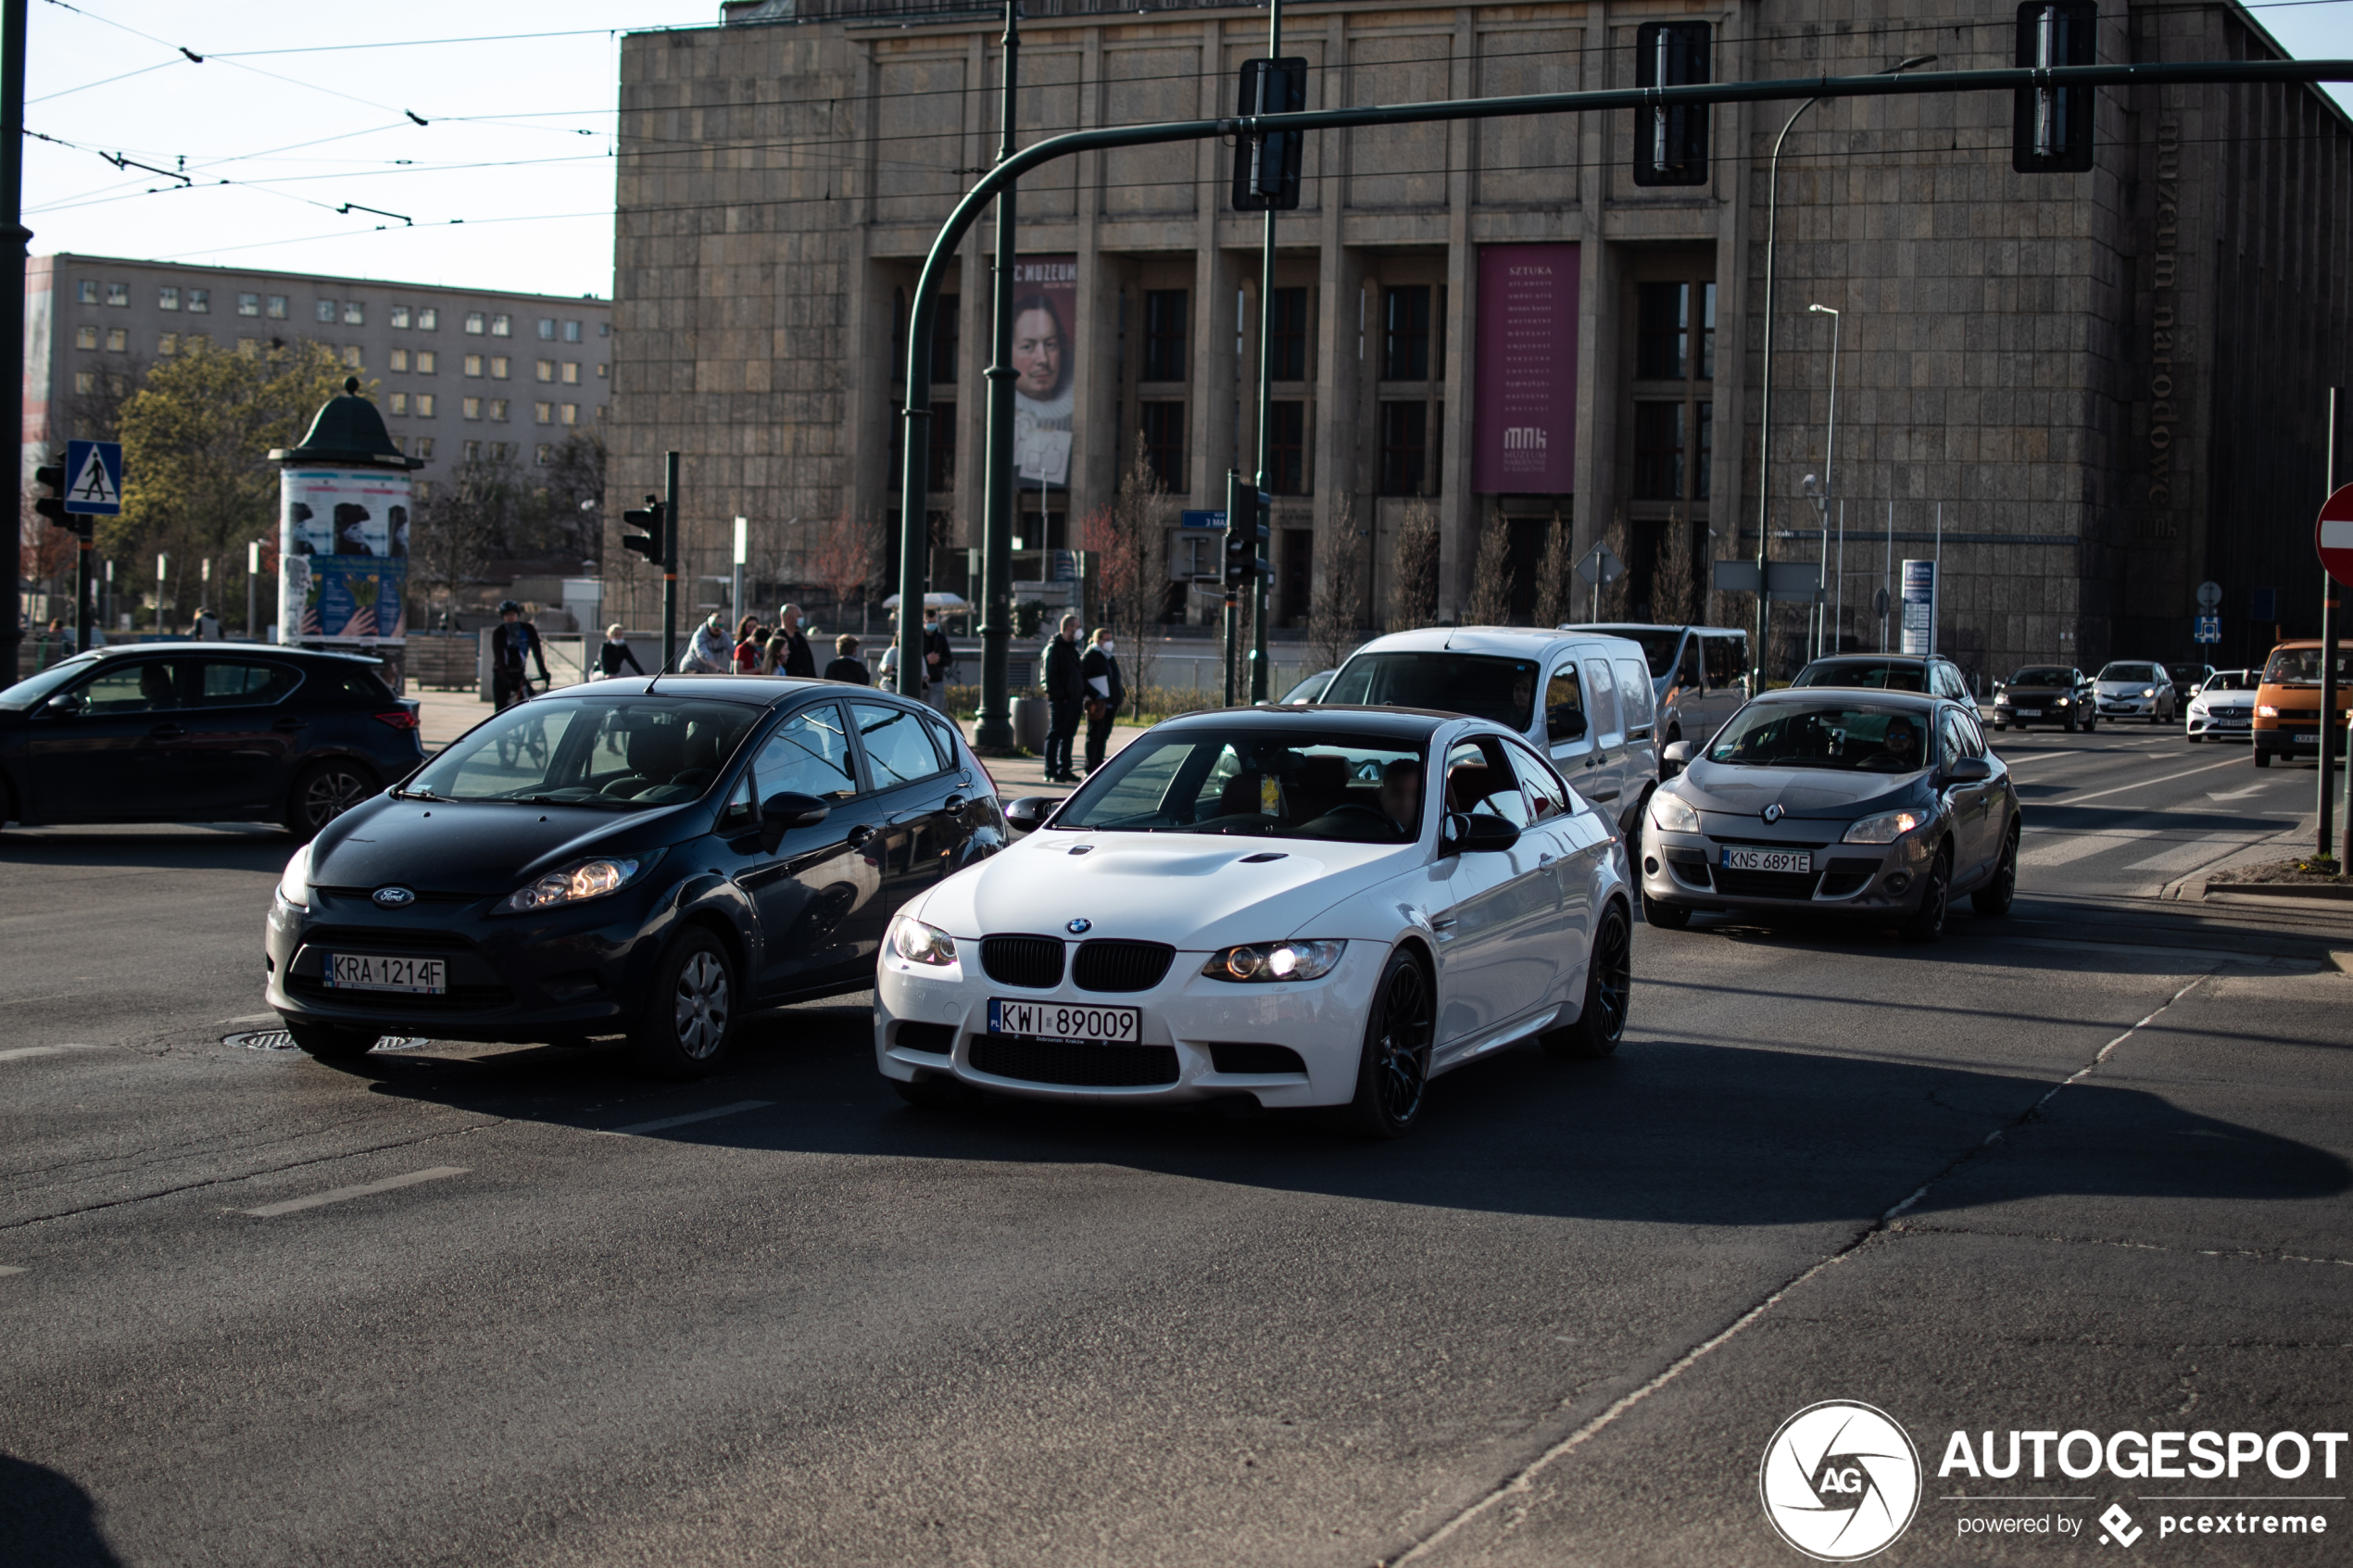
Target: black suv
1928,674
198,731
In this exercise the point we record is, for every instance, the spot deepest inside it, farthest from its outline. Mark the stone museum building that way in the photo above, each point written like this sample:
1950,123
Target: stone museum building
2087,393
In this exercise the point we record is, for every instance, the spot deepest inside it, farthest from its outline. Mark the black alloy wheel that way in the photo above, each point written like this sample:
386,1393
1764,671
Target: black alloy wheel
323,792
1926,924
2071,723
1609,991
688,1022
1393,1076
1993,899
332,1042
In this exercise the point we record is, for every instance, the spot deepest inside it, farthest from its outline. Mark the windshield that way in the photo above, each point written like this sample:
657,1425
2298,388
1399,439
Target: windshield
1257,782
2230,681
1852,736
34,689
1309,689
1659,643
1877,674
2301,667
2186,674
2142,673
2043,675
620,756
1483,685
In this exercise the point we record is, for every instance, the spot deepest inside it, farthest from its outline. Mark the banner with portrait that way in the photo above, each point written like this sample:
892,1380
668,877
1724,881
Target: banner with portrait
342,556
1045,366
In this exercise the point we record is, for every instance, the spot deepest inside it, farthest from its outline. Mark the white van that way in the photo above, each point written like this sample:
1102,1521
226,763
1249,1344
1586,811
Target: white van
1584,700
1699,675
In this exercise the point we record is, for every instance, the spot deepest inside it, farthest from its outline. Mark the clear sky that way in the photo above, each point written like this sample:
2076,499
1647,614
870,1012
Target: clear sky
306,110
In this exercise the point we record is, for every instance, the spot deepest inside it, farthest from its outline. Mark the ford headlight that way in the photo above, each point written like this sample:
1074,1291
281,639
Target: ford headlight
293,886
1672,813
1274,961
1884,829
577,883
918,943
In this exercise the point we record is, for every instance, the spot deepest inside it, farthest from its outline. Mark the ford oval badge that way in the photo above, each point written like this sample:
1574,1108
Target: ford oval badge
1773,812
393,898
1080,927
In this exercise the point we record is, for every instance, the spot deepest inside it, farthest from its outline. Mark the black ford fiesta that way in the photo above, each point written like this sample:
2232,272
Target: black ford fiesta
644,858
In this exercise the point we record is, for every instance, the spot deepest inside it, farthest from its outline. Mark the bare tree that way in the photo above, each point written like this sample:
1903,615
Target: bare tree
1340,588
1673,583
1490,591
476,514
570,495
843,560
1556,587
1125,537
1413,581
1615,595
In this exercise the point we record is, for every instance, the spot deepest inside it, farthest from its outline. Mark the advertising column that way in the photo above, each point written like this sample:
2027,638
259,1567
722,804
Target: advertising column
343,508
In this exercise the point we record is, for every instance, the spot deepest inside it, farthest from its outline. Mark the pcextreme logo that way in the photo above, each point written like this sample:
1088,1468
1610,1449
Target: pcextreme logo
1840,1481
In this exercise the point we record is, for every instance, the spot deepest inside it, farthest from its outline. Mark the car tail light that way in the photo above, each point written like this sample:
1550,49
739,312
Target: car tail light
398,717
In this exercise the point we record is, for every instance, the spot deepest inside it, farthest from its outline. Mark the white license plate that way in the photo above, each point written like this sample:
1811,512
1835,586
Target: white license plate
1767,860
1067,1020
2029,714
2310,737
378,972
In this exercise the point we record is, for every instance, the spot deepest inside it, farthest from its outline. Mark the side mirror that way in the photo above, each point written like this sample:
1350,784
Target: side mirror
65,706
1029,813
1465,833
1565,723
1676,757
1969,770
786,811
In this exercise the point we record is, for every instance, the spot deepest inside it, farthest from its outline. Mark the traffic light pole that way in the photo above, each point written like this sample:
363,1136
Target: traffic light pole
669,561
1264,481
14,240
993,726
915,453
1225,577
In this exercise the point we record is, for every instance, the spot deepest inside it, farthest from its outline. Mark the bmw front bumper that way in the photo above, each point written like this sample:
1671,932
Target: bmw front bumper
1291,1043
1877,882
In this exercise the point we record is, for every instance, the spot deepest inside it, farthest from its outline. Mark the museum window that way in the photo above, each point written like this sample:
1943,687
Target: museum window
1163,425
942,446
1165,316
1287,447
1673,383
1406,332
1658,451
1287,334
1675,333
947,331
1702,447
1405,447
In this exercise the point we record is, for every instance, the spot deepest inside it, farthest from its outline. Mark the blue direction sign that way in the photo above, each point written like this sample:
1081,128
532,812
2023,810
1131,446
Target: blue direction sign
1204,520
93,478
2208,629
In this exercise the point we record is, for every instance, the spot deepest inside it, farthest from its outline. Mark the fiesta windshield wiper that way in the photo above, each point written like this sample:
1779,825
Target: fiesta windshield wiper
420,794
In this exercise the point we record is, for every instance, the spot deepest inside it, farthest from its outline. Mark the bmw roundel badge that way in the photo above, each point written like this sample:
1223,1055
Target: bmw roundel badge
1080,927
393,898
1773,812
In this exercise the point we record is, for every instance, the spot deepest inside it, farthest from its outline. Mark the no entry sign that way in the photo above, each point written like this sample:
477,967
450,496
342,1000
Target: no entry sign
2332,536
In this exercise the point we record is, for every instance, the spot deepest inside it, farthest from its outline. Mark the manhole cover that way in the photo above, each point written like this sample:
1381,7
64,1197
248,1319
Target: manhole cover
279,1040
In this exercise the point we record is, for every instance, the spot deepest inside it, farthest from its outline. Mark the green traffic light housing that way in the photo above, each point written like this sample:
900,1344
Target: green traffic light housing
52,477
649,543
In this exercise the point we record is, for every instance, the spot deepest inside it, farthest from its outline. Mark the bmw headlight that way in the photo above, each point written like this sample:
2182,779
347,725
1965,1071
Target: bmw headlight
293,886
577,883
1672,813
1884,829
918,943
1274,961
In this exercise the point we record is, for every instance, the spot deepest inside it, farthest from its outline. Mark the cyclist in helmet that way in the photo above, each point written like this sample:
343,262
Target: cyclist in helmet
512,642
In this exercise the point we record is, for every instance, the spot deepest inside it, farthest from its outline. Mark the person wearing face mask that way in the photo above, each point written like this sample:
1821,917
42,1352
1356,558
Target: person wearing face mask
615,653
1105,692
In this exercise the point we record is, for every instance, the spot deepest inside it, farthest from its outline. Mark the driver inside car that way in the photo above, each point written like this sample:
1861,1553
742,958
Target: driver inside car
1401,795
1899,748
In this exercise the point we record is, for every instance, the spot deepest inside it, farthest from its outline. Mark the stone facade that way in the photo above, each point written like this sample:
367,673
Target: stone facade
2110,384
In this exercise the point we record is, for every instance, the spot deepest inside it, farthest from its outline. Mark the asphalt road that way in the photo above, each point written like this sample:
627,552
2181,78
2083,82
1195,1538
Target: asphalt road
2084,1167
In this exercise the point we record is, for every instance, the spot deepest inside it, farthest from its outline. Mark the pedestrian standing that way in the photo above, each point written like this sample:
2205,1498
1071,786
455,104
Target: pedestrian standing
1106,690
846,665
940,661
746,655
1065,696
789,647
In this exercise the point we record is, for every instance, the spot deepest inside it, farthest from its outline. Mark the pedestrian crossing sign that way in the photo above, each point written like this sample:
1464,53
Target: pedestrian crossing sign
94,486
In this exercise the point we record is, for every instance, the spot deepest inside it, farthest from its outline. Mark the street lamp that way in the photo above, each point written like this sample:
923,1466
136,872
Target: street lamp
1829,455
1765,405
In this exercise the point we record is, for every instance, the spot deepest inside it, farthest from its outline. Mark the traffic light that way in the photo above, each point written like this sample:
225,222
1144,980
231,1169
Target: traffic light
1670,140
1266,167
52,477
2051,127
1246,535
650,542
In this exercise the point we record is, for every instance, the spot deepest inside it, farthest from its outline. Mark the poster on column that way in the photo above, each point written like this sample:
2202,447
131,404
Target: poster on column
1919,607
1045,364
343,552
1525,416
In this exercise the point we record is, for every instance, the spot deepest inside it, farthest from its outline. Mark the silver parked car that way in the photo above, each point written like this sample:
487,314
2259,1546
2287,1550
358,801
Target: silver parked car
1699,674
1583,699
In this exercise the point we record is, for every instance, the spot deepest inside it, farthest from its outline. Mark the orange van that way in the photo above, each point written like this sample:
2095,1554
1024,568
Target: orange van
2287,704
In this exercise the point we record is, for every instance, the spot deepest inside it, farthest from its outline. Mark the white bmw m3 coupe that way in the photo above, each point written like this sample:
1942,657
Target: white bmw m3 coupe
1269,903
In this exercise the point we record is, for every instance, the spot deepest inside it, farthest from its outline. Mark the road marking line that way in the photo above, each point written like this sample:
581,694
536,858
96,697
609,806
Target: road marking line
2075,846
4,1269
2169,778
640,1128
17,1053
2194,853
339,1195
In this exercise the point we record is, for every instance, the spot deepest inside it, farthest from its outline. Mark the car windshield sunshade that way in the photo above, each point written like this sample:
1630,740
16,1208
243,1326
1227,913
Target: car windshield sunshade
1483,685
613,755
1257,782
1852,736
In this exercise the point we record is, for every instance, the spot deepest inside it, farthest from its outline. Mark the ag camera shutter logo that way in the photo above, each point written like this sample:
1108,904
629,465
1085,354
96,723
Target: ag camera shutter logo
1840,1481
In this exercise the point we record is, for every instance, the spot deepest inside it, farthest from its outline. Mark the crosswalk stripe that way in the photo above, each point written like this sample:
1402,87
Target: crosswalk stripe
365,1189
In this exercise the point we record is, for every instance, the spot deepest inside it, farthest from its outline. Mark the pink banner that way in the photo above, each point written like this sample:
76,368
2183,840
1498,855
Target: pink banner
1526,417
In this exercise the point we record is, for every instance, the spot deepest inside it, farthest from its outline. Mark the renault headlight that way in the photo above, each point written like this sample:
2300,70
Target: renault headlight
1672,813
1274,961
1884,829
918,943
293,886
577,883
